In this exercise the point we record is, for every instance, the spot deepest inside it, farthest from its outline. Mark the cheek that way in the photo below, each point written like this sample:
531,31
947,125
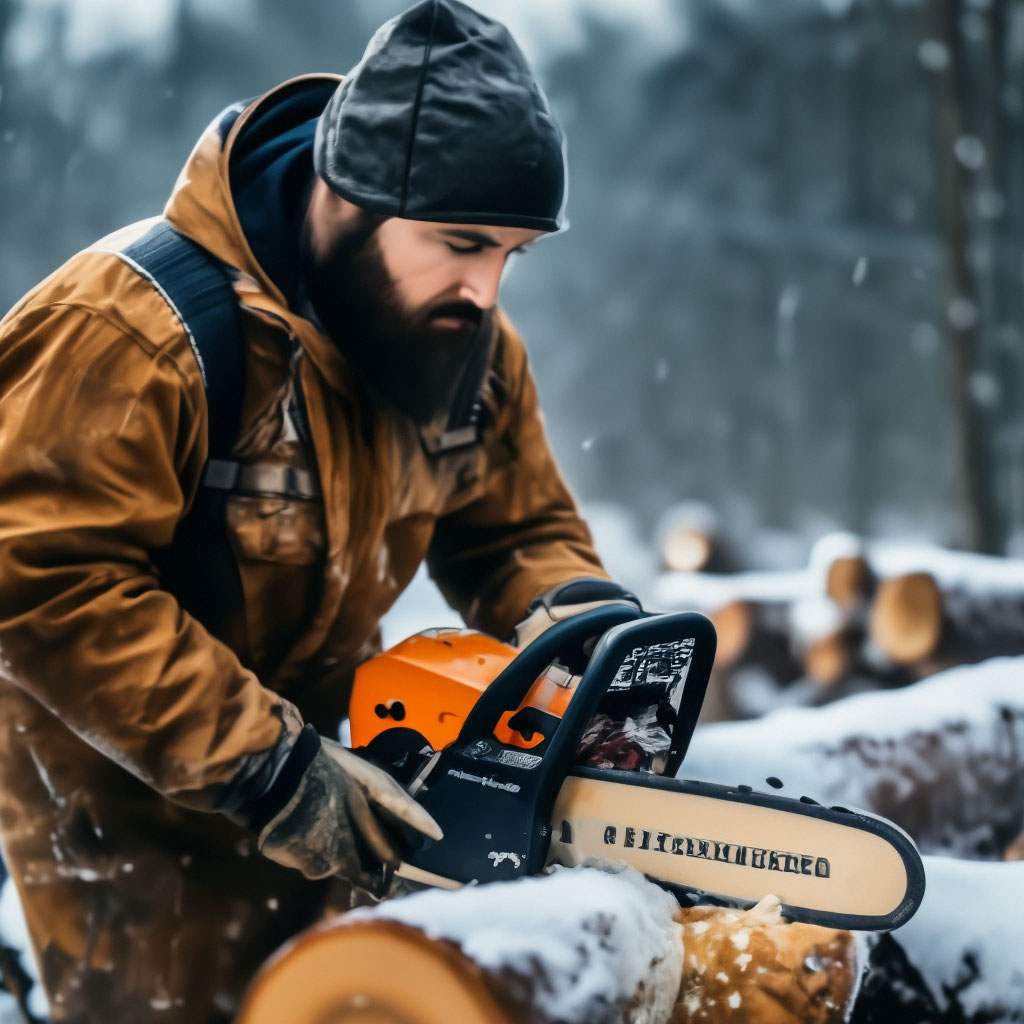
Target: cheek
420,268
422,281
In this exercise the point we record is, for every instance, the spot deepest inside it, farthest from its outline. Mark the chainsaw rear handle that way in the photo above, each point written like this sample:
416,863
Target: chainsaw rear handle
621,628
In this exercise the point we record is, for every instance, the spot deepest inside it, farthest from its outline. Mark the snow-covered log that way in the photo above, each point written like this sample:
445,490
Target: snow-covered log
943,758
841,561
581,945
958,959
577,946
951,617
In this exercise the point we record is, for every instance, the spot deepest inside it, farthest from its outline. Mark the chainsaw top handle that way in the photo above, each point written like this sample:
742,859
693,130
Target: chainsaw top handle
622,629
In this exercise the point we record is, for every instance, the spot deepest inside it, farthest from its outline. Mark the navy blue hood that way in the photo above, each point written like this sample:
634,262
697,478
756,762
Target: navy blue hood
271,174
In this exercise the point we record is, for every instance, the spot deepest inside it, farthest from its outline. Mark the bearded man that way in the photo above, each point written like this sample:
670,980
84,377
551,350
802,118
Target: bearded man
187,585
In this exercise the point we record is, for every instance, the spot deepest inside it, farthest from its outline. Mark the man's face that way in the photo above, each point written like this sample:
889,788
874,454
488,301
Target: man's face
403,299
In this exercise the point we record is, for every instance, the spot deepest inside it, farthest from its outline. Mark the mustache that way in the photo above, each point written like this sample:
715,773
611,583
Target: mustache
460,310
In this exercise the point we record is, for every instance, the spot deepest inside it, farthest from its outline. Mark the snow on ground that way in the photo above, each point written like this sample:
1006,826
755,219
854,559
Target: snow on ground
943,758
14,934
959,957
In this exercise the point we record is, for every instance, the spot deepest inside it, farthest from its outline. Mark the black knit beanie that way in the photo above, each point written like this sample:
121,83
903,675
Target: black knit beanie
443,120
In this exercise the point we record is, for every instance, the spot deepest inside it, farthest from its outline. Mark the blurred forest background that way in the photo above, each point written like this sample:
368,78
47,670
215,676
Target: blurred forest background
793,291
794,284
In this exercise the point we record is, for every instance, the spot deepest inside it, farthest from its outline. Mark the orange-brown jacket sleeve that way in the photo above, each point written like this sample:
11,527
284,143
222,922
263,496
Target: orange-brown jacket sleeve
523,534
102,435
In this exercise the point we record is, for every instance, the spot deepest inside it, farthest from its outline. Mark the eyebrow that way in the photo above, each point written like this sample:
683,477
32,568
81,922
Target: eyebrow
473,236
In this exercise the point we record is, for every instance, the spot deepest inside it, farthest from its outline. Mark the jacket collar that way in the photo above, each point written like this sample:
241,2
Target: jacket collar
202,206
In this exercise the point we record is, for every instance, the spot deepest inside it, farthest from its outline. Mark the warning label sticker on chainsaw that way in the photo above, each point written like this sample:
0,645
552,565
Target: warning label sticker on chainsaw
489,750
515,758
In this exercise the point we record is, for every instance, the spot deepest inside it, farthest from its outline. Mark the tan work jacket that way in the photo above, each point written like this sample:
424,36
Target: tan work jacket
105,681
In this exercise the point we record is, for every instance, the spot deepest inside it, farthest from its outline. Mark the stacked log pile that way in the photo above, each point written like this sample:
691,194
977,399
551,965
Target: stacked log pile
859,616
804,629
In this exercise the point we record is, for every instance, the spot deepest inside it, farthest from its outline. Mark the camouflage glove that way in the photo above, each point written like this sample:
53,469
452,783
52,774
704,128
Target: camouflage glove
343,816
568,599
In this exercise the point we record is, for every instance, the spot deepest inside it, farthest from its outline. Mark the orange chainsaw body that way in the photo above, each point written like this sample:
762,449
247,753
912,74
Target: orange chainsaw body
430,681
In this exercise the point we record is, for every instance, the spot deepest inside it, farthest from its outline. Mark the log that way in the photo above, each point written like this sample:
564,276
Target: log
1015,851
750,615
907,617
943,758
756,633
372,972
781,623
824,638
947,618
755,967
689,539
842,562
958,958
577,946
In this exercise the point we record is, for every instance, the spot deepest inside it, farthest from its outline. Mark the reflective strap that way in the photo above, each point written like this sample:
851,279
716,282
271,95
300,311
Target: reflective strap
451,439
261,478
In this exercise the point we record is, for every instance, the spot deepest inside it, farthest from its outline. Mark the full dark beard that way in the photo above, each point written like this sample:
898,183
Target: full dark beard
397,355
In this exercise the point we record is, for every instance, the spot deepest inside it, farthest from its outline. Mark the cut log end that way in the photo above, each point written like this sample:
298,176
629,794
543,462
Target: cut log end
753,966
1015,851
734,624
828,658
848,580
687,549
907,617
372,972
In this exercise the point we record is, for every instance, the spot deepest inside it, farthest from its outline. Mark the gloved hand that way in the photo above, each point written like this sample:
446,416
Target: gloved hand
568,599
344,817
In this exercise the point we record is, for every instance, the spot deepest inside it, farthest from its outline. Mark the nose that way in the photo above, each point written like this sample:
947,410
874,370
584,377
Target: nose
480,282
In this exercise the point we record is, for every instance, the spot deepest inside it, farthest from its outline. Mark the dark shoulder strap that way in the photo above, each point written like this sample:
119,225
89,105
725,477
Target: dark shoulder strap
197,287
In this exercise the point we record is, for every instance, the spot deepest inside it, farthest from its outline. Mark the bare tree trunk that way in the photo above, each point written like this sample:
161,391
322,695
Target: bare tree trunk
962,301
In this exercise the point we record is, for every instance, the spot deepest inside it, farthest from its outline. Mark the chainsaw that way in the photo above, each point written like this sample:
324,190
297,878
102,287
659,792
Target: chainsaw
494,743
